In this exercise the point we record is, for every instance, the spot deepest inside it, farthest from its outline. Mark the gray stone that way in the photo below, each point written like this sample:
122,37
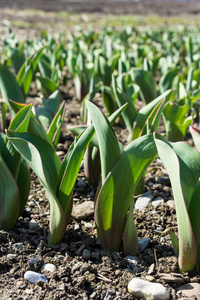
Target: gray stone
88,225
86,254
171,203
35,260
81,183
11,255
132,259
147,290
60,153
33,225
76,227
151,269
83,211
80,249
190,290
157,201
143,201
18,245
143,243
33,277
159,228
49,268
163,180
173,277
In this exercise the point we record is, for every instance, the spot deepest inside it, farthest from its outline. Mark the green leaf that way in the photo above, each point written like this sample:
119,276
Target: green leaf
32,62
17,58
48,86
69,170
176,119
23,183
129,115
146,82
53,102
183,173
194,212
195,132
9,198
148,112
9,86
166,79
130,237
115,195
108,99
108,144
42,159
44,116
56,124
174,242
45,68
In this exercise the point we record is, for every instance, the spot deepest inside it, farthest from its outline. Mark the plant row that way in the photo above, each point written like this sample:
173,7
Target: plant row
159,68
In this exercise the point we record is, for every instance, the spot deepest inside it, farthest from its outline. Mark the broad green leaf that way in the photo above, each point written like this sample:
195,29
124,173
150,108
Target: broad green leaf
194,212
146,82
105,70
44,116
31,61
27,80
189,79
70,168
92,165
130,237
55,126
176,120
88,97
108,144
117,190
174,242
45,68
166,79
2,140
53,102
78,129
11,157
48,86
183,173
3,116
146,112
17,58
42,158
9,198
9,86
129,114
195,132
108,99
34,126
21,120
23,183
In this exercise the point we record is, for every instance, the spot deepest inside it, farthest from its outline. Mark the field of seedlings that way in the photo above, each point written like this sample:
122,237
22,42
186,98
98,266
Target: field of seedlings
99,153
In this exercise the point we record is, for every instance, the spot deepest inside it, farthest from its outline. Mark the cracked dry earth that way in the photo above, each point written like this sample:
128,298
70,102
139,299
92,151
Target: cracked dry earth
81,268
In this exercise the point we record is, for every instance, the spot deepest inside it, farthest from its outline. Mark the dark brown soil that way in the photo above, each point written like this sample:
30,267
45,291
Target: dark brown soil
164,8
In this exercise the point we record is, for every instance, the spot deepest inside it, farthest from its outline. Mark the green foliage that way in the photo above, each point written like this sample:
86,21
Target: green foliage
57,178
14,174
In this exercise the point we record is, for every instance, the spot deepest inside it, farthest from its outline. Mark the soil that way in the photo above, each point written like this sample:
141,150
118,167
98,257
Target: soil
167,8
103,275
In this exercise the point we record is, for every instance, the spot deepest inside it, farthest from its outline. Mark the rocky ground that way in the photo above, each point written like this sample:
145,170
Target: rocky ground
78,267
